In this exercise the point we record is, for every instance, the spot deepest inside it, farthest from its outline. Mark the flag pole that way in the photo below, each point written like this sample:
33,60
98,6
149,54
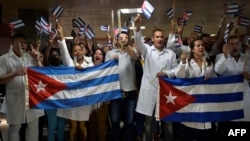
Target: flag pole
25,80
119,20
174,4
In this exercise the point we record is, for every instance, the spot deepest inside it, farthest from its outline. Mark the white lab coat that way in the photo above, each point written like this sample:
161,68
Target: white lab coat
79,113
154,62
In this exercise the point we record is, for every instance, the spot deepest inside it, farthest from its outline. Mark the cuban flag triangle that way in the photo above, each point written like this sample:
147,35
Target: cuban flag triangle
147,9
243,21
231,9
200,100
16,24
67,87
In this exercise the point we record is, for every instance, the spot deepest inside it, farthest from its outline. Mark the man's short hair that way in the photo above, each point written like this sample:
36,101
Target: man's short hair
123,32
18,35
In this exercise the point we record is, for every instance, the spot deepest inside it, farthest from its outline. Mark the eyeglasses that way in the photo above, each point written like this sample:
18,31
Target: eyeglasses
233,44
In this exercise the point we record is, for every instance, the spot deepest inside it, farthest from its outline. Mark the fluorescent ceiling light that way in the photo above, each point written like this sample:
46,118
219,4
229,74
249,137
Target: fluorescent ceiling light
130,10
69,38
142,27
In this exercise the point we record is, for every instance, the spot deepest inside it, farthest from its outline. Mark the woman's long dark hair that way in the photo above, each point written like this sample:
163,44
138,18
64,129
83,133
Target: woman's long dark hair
103,54
191,56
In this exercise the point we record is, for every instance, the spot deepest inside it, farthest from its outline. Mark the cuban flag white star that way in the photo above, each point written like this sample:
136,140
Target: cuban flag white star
40,86
170,98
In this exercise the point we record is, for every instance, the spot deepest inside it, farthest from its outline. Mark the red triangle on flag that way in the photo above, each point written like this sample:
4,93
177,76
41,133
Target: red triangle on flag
179,98
41,87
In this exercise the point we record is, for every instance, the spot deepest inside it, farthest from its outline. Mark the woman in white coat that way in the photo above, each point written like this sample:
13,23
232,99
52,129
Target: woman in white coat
77,115
194,66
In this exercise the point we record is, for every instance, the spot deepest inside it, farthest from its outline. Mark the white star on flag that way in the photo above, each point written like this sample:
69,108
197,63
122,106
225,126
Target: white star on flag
170,98
40,86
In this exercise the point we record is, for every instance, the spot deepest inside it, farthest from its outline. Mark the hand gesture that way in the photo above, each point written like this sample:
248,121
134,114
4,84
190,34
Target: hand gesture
225,50
184,56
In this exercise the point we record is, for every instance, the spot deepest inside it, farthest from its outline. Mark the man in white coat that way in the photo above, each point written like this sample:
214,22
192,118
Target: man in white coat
159,61
13,74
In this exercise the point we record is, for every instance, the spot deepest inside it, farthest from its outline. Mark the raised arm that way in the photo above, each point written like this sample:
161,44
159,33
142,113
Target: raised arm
141,47
65,54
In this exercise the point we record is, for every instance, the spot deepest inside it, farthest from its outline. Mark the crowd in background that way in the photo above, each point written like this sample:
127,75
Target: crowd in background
130,118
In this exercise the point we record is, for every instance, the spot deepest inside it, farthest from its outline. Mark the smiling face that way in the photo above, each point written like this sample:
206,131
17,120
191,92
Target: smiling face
77,52
98,57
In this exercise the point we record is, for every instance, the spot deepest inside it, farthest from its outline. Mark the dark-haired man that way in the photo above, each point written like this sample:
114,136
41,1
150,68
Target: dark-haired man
12,73
125,106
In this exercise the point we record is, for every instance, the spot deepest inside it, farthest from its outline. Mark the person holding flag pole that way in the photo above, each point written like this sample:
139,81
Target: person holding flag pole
126,55
79,115
13,74
159,61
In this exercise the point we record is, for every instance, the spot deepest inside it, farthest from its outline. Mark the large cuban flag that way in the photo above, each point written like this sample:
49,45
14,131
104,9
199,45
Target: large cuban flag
200,100
67,87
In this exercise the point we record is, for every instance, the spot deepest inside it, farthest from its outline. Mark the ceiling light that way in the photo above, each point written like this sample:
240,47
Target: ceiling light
142,27
130,10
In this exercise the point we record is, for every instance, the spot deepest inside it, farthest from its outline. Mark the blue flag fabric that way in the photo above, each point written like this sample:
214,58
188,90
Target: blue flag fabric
200,100
67,87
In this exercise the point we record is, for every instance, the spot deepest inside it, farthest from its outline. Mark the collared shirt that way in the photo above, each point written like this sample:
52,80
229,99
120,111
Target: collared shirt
15,89
229,66
192,69
126,68
154,62
77,113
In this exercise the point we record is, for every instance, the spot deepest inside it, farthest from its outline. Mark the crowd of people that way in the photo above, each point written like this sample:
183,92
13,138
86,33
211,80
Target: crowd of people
131,117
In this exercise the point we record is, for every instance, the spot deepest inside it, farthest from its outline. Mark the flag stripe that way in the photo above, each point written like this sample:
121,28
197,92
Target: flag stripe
61,71
210,107
216,99
92,82
112,86
67,87
76,102
205,98
195,81
205,117
213,89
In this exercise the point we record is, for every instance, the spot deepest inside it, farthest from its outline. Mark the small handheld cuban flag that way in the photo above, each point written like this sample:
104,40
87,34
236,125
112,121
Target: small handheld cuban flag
231,9
187,15
147,9
104,28
170,13
198,29
78,22
89,33
240,10
16,24
181,22
45,26
243,21
57,11
226,33
38,27
178,41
